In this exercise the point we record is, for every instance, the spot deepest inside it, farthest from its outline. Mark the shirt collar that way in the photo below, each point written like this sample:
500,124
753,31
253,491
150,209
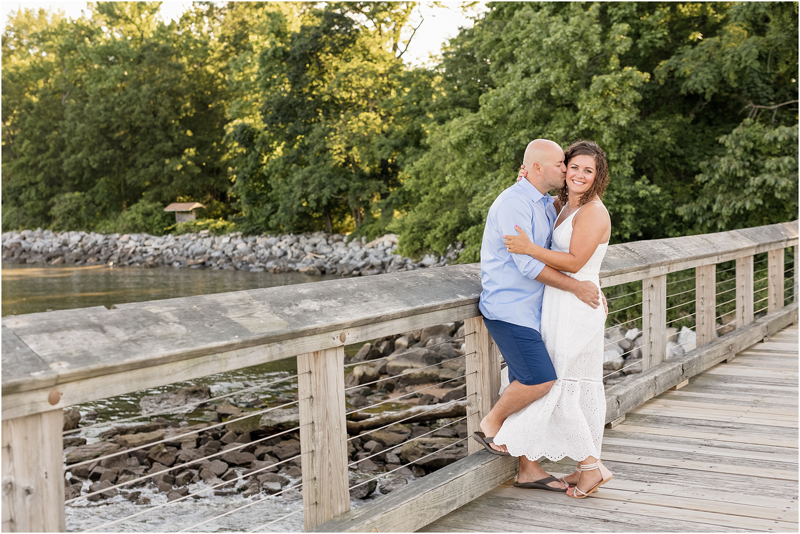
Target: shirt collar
534,194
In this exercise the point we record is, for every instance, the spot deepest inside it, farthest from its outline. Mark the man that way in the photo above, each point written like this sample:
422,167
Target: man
513,287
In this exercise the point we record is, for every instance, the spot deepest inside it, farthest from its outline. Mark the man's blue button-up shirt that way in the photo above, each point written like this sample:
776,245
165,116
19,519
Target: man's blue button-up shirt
510,290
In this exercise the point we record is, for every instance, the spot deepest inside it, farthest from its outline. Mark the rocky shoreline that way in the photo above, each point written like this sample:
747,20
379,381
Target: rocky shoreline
411,390
316,253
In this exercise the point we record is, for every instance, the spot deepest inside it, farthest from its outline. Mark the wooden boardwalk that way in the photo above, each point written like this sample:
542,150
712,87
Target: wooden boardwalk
717,455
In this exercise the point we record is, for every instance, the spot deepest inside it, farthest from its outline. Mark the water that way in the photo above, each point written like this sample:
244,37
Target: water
33,289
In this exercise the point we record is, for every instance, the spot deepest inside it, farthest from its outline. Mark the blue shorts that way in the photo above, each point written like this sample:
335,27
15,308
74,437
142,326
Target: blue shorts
524,352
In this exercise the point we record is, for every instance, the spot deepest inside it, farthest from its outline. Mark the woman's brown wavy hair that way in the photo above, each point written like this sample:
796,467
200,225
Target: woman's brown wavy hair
601,179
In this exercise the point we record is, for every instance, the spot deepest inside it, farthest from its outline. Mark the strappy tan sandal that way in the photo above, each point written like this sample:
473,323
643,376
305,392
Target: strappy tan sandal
590,467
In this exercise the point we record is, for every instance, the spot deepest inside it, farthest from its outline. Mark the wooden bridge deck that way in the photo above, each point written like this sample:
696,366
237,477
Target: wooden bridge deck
717,455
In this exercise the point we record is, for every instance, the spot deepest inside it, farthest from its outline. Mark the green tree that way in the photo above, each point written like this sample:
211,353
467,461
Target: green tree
654,84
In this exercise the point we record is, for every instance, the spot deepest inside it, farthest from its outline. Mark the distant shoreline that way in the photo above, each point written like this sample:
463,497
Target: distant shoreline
315,253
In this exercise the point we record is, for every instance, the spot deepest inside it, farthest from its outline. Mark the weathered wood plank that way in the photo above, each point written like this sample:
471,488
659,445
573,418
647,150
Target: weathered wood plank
33,476
323,435
700,505
783,413
786,376
676,463
654,321
499,513
744,291
126,381
652,510
705,303
691,479
711,426
759,503
483,376
714,416
635,261
711,436
700,449
775,281
410,508
621,398
732,399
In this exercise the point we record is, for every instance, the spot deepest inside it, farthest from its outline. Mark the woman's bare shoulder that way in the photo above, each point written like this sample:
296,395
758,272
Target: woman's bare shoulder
556,203
593,213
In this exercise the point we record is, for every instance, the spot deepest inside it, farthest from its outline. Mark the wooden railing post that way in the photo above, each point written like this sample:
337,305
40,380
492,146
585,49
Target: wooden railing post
775,281
483,375
654,321
33,473
706,303
744,291
794,276
323,435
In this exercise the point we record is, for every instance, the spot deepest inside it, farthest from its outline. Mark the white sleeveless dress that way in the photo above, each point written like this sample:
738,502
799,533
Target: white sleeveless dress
569,419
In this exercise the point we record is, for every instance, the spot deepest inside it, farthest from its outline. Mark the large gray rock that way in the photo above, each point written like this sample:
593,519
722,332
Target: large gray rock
414,358
674,350
363,374
612,361
71,418
441,330
142,438
280,418
672,334
422,376
391,436
91,451
363,490
687,339
180,401
414,450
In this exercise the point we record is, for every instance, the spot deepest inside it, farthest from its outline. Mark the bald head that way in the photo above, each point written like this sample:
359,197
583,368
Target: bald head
544,160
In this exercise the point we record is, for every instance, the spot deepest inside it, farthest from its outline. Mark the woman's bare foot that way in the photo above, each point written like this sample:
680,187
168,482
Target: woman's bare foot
572,478
490,430
531,472
587,480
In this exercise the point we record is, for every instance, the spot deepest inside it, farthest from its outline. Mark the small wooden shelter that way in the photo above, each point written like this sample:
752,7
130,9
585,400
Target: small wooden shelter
184,211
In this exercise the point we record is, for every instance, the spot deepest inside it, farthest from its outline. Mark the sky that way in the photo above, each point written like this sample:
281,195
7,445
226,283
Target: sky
439,25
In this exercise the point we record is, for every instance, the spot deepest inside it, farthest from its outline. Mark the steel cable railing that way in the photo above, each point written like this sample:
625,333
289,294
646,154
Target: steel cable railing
623,309
229,512
615,297
681,305
181,466
192,495
178,437
179,409
265,525
409,463
351,464
416,345
413,416
682,293
692,277
400,375
403,396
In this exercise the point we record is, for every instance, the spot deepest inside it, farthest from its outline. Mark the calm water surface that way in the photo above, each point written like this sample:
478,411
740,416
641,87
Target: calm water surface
34,288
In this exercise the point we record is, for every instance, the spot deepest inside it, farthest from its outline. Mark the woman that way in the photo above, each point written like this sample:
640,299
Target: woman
569,419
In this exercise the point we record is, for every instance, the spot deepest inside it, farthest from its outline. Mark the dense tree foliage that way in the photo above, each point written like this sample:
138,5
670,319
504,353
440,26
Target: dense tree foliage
295,117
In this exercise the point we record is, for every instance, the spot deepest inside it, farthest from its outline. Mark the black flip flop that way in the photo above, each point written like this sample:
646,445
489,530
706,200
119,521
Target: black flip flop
481,438
540,484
